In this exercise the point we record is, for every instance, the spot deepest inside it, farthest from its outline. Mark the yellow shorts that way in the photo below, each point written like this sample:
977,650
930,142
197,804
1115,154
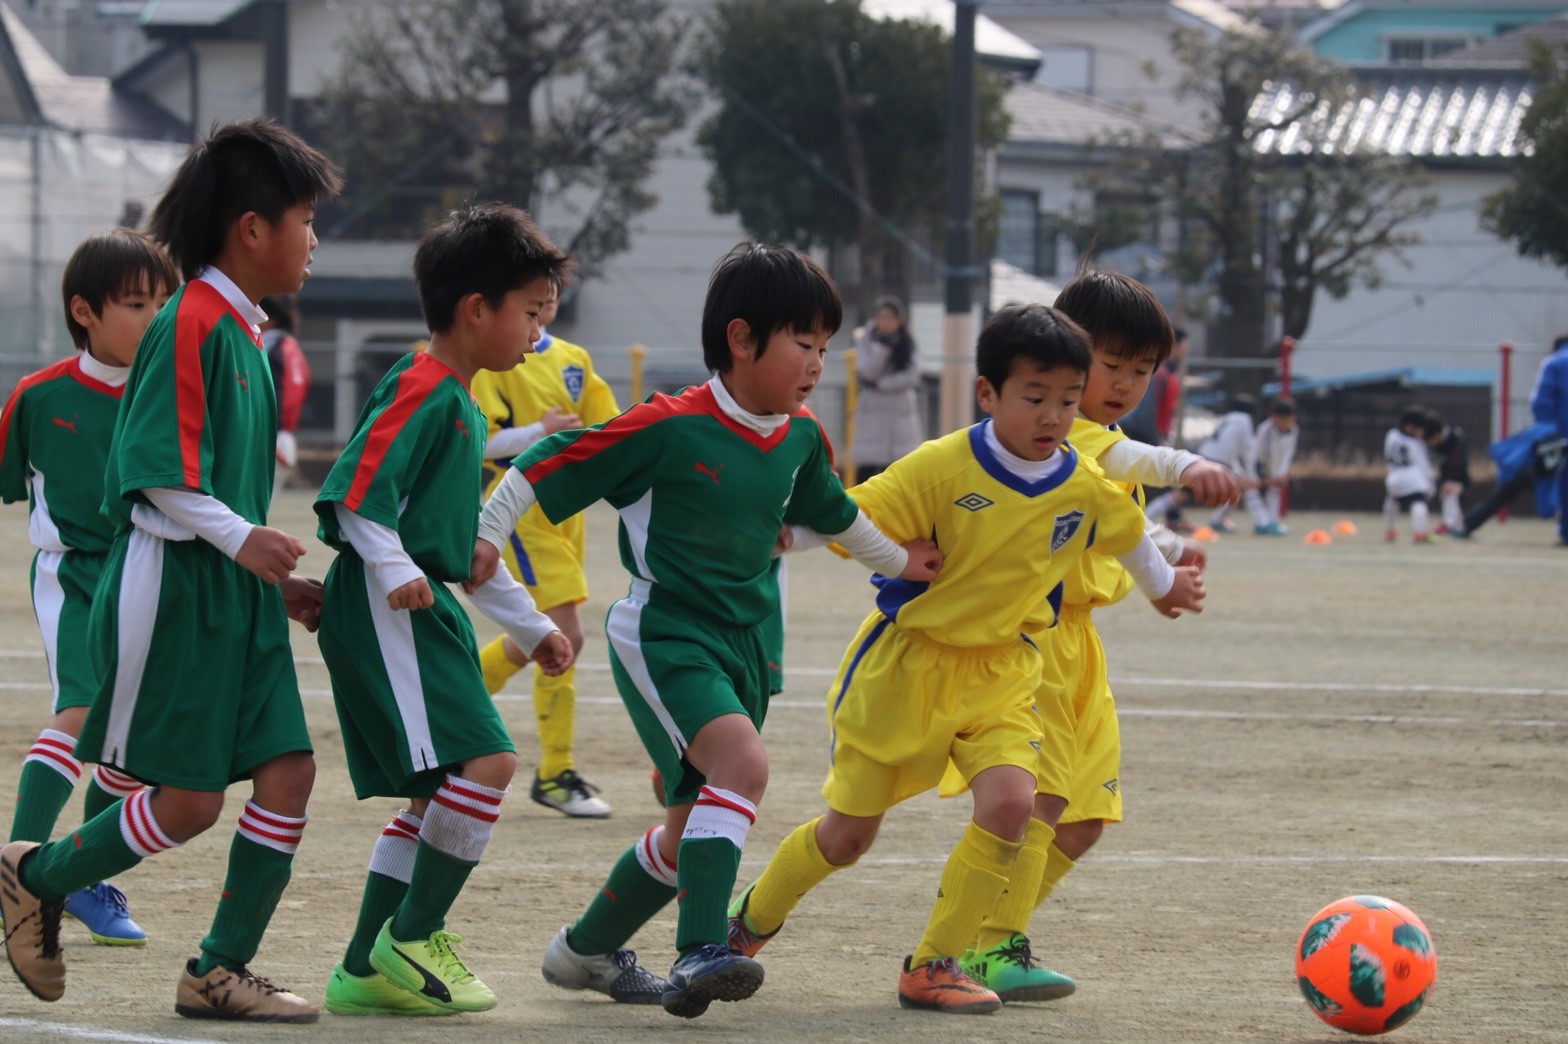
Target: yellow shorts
901,706
1074,647
548,558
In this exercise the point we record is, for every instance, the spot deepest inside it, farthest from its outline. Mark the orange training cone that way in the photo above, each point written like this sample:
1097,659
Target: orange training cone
1344,527
1205,534
1317,536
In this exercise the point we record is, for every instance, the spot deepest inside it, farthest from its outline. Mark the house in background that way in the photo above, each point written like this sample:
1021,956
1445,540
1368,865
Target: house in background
1375,32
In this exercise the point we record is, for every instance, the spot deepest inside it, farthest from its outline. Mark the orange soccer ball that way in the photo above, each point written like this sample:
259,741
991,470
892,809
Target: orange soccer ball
1365,964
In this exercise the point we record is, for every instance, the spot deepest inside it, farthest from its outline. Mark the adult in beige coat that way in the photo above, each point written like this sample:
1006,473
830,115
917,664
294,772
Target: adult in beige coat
887,406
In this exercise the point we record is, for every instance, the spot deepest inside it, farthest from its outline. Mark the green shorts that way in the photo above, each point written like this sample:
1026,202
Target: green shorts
63,583
409,695
677,673
196,676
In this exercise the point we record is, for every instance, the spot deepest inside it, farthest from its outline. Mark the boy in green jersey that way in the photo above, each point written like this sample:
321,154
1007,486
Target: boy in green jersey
189,628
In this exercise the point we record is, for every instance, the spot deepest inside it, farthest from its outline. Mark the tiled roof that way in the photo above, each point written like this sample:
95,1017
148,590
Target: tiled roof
1046,115
191,12
1425,113
1010,283
1512,49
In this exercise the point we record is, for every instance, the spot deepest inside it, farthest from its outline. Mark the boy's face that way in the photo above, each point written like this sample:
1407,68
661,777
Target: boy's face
1283,421
113,334
1115,384
284,254
508,332
1033,410
780,379
551,306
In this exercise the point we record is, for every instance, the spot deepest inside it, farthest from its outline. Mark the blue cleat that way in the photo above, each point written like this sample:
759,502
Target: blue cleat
102,909
707,974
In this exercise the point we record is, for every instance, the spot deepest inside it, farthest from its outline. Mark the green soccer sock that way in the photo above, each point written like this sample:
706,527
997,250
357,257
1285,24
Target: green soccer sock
706,868
93,852
257,875
629,898
433,888
97,800
382,897
41,793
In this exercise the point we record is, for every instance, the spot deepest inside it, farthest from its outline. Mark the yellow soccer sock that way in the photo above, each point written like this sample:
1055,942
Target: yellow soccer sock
1056,867
796,868
973,879
555,704
494,666
1013,908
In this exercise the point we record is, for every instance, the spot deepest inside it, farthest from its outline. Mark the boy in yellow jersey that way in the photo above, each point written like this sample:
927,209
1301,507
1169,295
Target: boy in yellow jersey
555,389
943,669
1131,337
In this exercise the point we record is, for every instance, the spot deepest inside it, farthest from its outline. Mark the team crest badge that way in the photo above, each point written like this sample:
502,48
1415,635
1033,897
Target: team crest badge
1063,528
573,376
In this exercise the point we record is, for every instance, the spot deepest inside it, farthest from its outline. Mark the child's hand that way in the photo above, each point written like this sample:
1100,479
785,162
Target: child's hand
482,566
1185,595
1193,554
413,595
1211,484
553,420
784,541
553,654
925,560
302,600
269,553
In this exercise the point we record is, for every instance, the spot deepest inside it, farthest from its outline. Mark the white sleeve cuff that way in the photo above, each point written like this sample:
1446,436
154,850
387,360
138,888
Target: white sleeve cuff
803,539
1150,571
509,604
205,516
1169,543
509,442
1130,461
510,501
869,546
380,547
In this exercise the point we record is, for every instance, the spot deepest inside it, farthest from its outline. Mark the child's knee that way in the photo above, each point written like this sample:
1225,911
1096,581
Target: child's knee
1074,839
491,770
843,839
1005,814
184,814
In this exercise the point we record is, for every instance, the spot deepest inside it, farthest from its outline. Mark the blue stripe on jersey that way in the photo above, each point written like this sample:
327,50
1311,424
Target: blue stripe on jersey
997,470
1087,544
893,593
523,565
865,647
1055,599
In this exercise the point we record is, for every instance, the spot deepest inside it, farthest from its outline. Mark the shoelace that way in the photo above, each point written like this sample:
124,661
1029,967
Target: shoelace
265,986
624,959
944,964
578,785
441,949
108,893
1018,952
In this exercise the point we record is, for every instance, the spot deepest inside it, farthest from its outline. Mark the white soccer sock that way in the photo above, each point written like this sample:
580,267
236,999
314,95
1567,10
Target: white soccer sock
395,849
116,783
139,829
1390,514
1418,517
1453,517
720,813
652,860
280,833
56,750
461,818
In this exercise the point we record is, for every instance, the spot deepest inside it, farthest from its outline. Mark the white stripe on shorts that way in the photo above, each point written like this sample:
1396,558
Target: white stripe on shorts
395,639
141,589
48,601
623,629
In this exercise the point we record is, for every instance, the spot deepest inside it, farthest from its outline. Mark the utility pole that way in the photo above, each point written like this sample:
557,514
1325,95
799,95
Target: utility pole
957,389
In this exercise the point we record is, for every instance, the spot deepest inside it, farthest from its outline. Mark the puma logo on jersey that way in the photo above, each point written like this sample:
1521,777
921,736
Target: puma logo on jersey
712,473
68,425
238,376
461,427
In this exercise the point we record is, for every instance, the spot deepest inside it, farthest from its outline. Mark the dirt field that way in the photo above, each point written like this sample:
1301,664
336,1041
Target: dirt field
1344,719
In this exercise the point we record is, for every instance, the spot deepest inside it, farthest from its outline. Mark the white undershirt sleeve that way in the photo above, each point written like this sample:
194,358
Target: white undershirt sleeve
1150,571
206,516
869,546
509,442
380,547
509,501
508,603
1129,461
1170,544
803,539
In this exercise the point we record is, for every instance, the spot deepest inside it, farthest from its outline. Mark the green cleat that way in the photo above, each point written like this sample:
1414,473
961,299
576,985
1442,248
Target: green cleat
1008,969
373,994
430,969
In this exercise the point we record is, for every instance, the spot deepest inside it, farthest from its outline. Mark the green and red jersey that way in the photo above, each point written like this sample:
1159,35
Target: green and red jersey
414,465
701,497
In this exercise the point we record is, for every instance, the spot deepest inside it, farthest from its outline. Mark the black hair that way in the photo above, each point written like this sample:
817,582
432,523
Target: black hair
1122,316
1561,340
1179,333
282,311
488,249
1414,416
107,266
768,288
1284,406
245,166
901,343
1037,333
1241,402
1433,425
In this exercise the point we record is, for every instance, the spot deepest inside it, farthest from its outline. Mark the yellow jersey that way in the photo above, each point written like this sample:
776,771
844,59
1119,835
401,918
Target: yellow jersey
1008,544
1098,579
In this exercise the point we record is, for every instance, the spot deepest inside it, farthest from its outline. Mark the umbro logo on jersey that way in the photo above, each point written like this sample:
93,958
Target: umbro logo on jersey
973,502
1063,528
1110,785
712,473
68,425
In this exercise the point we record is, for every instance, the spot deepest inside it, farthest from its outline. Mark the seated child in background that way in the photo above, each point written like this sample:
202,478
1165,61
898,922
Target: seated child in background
1408,483
1450,451
1273,450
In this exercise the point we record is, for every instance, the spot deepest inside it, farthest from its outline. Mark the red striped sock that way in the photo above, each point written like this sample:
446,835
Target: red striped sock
280,833
56,749
139,829
394,853
461,818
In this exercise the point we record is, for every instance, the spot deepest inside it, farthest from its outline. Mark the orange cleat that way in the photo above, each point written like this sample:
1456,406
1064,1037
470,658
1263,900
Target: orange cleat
940,985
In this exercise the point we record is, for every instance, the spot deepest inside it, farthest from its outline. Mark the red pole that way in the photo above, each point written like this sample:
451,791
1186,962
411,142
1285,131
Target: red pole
1286,346
1505,351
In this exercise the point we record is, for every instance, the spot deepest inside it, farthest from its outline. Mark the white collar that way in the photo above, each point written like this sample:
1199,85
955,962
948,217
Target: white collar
102,372
248,309
764,424
1028,470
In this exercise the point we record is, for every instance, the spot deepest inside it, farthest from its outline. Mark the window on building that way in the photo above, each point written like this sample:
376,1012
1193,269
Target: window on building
1070,68
1422,48
1021,239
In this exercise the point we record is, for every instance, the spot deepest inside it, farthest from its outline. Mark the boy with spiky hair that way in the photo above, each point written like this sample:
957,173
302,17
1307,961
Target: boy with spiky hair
417,720
54,445
189,627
